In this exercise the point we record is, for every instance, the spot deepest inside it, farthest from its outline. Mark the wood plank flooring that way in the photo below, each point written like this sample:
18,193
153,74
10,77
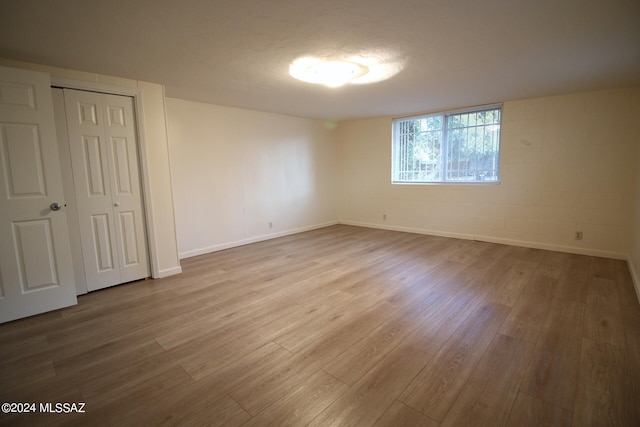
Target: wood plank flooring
342,326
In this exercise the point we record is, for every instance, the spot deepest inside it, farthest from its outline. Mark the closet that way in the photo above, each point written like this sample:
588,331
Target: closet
98,133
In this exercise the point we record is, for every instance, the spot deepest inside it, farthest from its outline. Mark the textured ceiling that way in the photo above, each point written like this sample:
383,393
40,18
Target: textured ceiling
454,53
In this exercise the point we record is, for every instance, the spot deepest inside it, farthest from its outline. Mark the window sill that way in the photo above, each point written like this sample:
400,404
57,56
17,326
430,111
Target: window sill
449,183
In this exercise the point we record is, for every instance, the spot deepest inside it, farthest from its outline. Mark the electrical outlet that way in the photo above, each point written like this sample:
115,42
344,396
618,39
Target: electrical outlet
578,235
384,217
270,225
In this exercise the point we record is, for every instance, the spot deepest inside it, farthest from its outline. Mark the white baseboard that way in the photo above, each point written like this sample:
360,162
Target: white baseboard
410,230
490,239
527,244
634,277
552,247
249,240
169,272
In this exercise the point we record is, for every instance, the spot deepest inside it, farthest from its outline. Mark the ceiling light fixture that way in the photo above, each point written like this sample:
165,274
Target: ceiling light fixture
363,68
328,73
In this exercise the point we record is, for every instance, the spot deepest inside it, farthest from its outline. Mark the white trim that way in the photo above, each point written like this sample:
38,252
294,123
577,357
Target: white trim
94,87
411,230
435,183
228,245
552,247
137,96
147,191
166,130
635,278
478,108
522,243
168,272
499,240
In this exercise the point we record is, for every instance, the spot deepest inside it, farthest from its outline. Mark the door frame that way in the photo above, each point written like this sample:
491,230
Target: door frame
143,152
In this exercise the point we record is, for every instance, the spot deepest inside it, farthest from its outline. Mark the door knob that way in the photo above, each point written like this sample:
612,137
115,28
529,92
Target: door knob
55,206
116,204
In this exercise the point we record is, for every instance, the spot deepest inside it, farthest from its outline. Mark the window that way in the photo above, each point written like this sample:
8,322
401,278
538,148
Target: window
462,147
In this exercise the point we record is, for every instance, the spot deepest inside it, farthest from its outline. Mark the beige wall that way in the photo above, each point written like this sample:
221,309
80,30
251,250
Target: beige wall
568,164
235,171
155,159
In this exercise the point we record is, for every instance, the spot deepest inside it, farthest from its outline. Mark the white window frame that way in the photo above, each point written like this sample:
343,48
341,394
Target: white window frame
443,134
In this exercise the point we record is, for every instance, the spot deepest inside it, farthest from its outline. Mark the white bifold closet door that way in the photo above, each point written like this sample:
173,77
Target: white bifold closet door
104,160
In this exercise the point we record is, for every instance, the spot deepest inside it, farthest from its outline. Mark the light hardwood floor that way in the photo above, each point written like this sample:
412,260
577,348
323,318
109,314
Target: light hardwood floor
343,326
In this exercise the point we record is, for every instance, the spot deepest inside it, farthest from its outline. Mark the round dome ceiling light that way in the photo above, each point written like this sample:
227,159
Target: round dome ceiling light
328,73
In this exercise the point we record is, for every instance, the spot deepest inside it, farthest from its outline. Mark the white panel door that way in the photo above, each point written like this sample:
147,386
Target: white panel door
120,132
36,273
102,141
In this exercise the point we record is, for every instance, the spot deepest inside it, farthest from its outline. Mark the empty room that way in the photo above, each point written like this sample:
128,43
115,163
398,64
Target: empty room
338,213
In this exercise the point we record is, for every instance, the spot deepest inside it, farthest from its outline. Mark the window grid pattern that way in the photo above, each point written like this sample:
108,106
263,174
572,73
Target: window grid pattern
460,147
